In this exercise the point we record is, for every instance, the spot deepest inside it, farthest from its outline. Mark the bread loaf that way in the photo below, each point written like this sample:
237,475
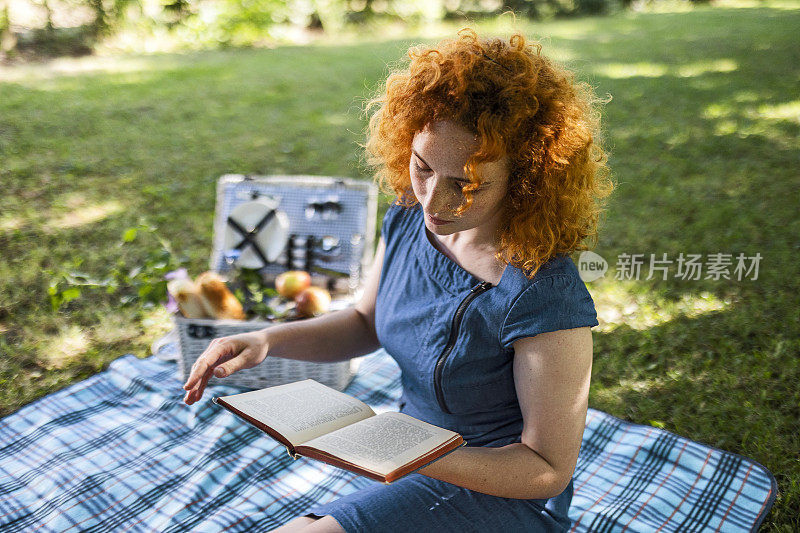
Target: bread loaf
219,301
190,301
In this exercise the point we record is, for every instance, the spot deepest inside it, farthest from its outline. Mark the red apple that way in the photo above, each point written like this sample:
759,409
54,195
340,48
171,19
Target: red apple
291,283
312,301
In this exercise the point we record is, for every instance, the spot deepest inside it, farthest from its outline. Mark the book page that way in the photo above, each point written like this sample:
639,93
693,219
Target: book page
302,410
384,442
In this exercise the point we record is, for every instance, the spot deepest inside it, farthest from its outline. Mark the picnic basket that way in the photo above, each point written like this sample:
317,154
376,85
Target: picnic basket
331,231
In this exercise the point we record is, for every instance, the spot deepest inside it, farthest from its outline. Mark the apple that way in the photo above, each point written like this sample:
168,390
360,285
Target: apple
291,283
312,301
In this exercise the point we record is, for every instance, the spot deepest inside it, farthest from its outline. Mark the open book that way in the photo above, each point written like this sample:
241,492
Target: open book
316,421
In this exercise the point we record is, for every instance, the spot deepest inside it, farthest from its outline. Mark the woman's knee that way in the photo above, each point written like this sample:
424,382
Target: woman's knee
326,524
296,525
307,524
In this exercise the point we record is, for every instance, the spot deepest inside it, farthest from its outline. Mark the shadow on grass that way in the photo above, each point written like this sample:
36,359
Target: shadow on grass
725,378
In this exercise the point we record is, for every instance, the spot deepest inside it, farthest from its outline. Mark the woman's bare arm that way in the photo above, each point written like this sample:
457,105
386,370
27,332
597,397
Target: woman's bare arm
552,372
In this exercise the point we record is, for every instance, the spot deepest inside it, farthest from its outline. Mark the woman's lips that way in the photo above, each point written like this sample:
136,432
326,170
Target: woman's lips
438,221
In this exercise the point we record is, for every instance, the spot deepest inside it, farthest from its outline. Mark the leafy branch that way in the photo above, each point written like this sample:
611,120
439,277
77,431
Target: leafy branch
144,283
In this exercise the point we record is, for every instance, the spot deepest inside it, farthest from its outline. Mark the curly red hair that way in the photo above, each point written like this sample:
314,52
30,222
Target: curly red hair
518,103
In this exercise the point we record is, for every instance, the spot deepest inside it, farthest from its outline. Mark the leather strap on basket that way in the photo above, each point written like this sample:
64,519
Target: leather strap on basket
249,237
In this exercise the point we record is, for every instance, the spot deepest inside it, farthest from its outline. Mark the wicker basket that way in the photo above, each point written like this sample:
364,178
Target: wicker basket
353,227
194,336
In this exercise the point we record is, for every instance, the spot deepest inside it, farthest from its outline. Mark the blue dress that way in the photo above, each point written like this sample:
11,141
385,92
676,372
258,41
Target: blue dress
452,337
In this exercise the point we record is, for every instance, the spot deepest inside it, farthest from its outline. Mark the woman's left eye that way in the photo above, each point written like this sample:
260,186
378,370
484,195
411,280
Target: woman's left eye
420,169
461,184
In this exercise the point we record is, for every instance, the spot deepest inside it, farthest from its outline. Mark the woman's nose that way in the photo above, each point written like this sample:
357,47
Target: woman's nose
439,198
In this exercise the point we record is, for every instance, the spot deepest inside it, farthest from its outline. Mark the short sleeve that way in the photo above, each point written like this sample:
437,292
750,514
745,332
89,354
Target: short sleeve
550,304
395,217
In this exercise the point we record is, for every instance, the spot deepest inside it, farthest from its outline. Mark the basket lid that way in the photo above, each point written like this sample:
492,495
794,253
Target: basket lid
314,223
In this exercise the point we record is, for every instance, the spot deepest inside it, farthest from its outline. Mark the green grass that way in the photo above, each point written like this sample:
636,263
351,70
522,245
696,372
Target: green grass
704,134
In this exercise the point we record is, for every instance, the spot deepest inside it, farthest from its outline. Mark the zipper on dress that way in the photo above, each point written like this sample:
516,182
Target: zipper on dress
451,341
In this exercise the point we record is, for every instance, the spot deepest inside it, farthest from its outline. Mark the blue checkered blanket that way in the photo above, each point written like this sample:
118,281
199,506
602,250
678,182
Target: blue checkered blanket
121,452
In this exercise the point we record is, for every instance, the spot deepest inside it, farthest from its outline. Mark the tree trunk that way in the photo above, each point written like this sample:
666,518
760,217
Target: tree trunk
49,12
100,17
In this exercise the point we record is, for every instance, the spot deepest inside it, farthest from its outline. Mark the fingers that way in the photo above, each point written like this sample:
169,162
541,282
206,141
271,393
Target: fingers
233,365
202,370
222,358
207,360
195,393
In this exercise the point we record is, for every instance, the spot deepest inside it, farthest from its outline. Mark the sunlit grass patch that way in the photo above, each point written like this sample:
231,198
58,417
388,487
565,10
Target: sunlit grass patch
84,214
630,70
788,111
86,65
657,70
621,303
113,329
63,348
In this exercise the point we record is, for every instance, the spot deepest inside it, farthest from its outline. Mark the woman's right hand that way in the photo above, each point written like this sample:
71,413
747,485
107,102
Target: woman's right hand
223,357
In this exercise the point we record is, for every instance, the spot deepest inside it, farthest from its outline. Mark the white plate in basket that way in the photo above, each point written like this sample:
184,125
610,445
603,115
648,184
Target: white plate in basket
271,238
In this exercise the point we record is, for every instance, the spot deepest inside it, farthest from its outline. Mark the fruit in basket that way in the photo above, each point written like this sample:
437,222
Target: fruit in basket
312,301
291,283
220,301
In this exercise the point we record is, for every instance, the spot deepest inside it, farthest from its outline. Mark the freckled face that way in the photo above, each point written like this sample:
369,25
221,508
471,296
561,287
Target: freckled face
439,154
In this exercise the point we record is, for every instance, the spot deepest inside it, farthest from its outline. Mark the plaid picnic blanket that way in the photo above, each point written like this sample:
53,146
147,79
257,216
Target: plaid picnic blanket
119,451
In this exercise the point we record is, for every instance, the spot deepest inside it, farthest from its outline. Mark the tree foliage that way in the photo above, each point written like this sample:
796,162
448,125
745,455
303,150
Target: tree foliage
243,22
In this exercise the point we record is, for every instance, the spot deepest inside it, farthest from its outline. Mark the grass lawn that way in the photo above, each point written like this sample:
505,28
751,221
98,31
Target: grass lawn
704,133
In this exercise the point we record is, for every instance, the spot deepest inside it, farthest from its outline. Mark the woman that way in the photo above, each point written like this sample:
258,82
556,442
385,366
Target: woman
489,149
